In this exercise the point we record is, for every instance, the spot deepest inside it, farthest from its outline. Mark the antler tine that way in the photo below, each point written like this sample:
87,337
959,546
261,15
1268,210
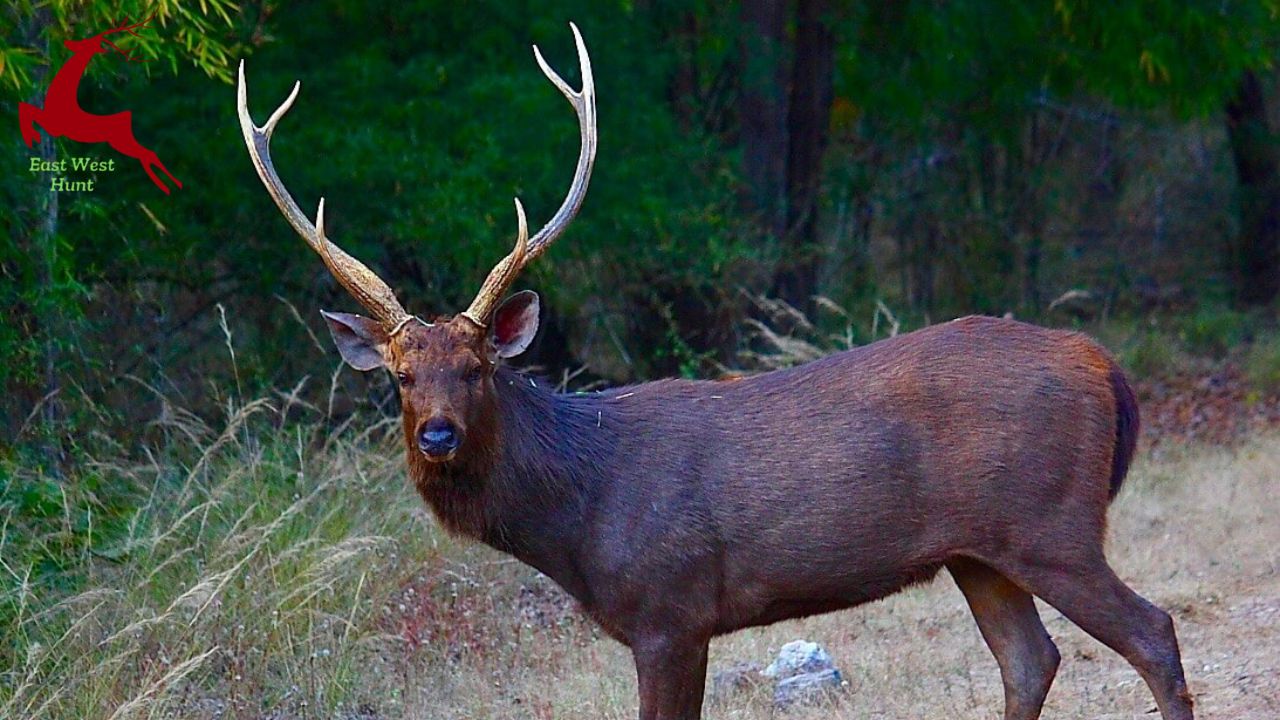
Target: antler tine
125,27
365,286
127,55
584,104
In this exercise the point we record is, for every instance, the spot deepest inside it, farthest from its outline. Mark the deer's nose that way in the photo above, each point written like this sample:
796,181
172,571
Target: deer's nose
438,437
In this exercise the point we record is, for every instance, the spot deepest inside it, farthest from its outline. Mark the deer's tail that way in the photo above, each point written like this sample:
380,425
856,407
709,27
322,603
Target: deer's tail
1127,426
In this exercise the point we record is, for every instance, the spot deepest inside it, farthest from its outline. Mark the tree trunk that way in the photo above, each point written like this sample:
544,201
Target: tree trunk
47,246
1257,252
683,88
763,112
1032,220
808,120
43,249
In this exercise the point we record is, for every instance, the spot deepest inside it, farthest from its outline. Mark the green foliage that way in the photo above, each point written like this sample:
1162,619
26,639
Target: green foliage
950,174
677,352
926,61
1184,55
188,33
1153,354
419,133
913,65
1214,330
47,281
40,282
1262,365
973,108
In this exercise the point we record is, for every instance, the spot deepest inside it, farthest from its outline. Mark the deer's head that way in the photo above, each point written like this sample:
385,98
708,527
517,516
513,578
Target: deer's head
445,368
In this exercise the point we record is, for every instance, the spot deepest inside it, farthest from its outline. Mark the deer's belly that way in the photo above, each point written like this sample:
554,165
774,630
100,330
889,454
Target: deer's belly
805,595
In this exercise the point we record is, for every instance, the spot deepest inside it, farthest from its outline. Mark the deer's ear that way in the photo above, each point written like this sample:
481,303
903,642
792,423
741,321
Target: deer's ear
361,342
515,322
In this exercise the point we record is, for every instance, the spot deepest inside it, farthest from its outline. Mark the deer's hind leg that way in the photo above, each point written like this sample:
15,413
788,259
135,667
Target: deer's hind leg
153,159
120,137
1007,618
1064,565
1085,589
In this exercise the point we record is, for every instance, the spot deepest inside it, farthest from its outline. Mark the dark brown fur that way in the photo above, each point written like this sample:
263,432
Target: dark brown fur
678,510
1127,426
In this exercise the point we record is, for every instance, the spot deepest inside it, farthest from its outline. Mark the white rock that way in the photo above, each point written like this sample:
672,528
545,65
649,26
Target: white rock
799,657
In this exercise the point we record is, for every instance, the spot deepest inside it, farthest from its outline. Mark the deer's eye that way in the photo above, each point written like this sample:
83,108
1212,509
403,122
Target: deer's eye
404,379
473,376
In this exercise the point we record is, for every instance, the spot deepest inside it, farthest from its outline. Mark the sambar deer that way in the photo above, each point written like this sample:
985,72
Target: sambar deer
675,511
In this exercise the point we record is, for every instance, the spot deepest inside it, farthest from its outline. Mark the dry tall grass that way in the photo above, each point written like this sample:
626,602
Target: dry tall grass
291,573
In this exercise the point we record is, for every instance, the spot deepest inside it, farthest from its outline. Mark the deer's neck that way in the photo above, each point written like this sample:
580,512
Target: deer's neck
527,489
65,86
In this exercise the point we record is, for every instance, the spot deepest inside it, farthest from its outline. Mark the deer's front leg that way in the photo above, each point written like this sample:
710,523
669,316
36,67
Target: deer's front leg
672,670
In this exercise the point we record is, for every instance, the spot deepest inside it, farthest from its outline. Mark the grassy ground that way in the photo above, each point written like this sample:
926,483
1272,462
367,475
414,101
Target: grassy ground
255,571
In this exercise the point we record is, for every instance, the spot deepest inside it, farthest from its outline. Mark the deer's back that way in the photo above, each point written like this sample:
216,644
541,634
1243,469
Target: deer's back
851,476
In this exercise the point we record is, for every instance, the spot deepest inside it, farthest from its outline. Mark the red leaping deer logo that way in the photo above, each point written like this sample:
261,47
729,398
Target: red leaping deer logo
62,115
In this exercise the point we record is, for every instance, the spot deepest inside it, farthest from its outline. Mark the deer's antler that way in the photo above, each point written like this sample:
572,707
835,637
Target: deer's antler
363,284
526,249
124,27
358,279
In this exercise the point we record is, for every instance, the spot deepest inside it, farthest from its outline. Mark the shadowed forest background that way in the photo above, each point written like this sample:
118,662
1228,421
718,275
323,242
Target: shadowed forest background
775,180
938,158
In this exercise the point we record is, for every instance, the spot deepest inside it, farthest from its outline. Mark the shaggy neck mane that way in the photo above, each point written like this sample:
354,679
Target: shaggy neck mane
524,482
